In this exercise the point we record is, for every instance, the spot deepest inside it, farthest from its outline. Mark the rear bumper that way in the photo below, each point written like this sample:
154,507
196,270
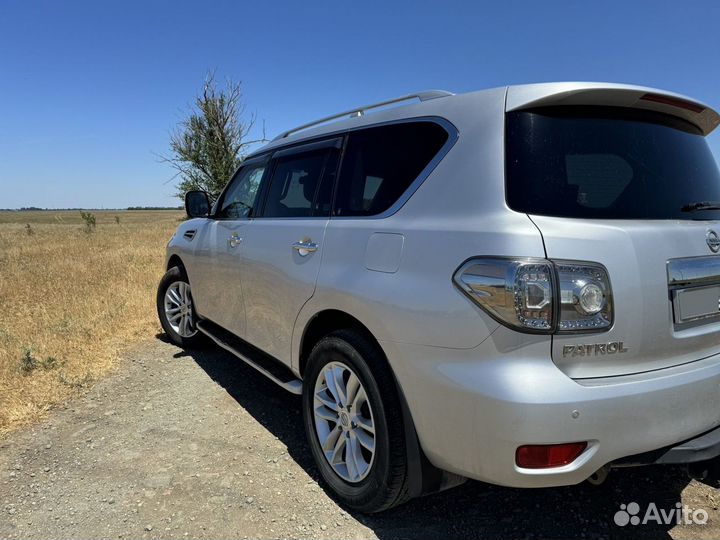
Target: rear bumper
472,408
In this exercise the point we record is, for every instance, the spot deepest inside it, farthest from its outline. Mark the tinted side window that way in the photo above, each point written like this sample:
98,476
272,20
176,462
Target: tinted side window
239,199
301,184
380,164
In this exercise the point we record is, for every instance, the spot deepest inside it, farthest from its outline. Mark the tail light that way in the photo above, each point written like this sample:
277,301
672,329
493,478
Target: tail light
539,295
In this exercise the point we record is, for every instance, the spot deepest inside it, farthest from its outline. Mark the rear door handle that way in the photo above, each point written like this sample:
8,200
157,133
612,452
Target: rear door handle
305,247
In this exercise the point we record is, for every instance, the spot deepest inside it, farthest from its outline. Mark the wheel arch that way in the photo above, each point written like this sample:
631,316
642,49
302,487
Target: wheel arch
424,477
174,261
323,323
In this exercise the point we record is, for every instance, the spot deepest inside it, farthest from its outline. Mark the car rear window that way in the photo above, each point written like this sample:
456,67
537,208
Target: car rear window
607,163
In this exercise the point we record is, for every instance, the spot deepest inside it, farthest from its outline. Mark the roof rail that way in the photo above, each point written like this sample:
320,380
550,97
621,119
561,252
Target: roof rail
360,111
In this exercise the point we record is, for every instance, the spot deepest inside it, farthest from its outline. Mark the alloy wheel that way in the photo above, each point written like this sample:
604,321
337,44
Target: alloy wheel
344,422
178,309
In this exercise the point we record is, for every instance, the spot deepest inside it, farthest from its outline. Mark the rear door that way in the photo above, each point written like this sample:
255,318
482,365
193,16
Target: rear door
283,246
617,186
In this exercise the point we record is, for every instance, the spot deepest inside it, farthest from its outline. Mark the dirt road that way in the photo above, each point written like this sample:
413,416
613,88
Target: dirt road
185,446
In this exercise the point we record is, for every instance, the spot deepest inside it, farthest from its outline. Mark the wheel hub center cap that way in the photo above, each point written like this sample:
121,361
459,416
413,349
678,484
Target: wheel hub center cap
344,419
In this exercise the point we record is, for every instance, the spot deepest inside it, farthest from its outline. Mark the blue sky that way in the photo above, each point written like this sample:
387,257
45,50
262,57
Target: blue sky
91,90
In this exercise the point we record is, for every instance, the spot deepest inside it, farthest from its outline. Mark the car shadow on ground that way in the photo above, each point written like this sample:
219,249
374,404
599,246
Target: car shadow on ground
473,510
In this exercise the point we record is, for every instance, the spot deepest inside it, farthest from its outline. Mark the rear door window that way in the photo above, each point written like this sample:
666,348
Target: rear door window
607,163
301,184
380,164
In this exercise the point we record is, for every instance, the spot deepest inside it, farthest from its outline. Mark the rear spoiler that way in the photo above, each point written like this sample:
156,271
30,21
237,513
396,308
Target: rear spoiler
613,95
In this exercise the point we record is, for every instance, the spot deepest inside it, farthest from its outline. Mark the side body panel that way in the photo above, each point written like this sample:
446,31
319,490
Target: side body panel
278,279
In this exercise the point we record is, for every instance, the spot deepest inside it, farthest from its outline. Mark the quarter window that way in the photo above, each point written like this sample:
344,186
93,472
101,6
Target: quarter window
380,163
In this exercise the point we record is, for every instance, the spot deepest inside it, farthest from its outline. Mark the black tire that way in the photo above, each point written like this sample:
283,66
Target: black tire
197,340
386,484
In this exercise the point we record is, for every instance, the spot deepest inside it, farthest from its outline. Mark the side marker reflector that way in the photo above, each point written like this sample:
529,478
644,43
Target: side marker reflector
545,456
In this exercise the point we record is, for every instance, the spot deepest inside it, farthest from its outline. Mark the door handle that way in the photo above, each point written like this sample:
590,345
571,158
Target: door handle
234,240
305,247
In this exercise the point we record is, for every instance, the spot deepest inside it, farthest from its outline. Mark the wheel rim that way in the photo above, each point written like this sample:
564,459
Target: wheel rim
344,422
178,309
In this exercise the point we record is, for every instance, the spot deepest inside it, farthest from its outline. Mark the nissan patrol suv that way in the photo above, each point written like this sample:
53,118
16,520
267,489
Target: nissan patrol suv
519,285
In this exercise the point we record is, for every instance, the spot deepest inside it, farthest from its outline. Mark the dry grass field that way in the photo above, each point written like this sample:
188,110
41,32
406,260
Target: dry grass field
71,300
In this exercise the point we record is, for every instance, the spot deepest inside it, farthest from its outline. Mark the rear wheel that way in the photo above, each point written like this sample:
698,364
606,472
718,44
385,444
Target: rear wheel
352,421
176,311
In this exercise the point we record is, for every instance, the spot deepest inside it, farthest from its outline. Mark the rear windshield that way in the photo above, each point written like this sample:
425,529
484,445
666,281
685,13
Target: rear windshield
608,163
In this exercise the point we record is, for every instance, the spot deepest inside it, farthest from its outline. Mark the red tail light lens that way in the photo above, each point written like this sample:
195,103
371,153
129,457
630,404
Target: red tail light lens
516,292
544,456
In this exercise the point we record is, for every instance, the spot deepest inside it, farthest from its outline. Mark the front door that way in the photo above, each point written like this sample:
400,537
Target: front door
283,246
217,285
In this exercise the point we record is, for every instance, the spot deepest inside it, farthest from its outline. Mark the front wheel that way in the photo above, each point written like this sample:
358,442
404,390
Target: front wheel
352,419
176,311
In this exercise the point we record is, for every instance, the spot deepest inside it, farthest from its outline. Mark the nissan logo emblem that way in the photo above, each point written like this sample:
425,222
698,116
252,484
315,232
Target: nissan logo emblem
713,241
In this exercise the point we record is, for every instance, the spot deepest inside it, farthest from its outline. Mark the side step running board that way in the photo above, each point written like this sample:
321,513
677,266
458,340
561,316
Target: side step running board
272,368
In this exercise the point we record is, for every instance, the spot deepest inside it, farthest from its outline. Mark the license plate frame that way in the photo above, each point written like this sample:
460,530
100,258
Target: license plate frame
696,304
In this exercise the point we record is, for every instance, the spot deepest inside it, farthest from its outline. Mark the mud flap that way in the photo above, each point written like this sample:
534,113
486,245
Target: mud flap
423,477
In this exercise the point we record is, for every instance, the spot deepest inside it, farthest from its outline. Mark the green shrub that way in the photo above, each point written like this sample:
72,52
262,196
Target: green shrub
50,363
28,362
89,219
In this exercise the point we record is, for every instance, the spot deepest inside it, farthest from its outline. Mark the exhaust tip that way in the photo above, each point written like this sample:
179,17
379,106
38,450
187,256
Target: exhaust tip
599,476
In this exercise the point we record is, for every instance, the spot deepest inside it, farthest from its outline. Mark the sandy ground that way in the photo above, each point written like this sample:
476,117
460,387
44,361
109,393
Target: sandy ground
175,445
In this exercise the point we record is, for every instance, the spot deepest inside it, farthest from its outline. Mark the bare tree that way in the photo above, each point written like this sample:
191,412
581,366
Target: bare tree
208,146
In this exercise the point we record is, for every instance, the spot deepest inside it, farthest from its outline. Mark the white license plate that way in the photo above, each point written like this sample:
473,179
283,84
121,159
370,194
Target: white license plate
696,303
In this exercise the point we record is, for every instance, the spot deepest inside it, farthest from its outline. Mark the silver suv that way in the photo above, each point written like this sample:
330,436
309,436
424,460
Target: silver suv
519,285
